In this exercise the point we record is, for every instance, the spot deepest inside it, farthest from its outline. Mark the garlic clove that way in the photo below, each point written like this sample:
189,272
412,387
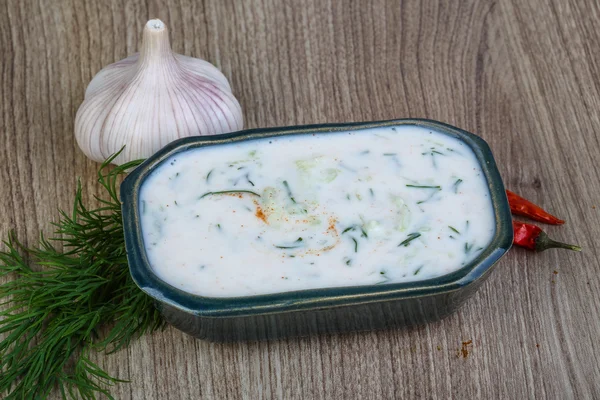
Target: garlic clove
149,99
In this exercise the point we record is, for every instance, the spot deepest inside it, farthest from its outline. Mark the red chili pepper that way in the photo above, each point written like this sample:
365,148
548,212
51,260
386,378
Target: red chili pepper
533,238
525,208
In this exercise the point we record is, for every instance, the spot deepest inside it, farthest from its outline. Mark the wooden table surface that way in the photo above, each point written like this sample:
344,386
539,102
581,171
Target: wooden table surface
525,75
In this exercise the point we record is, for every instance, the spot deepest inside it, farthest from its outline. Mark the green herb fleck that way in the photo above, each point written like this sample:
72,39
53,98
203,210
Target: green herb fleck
436,187
355,245
289,191
410,238
431,195
297,243
372,192
347,168
354,227
428,198
385,278
248,179
456,185
228,192
433,153
468,247
365,152
394,158
418,270
219,226
208,175
453,229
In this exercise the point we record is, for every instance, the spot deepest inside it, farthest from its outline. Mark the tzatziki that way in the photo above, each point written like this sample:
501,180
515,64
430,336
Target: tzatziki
365,207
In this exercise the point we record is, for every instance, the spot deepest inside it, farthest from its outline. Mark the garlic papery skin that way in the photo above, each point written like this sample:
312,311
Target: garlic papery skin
150,99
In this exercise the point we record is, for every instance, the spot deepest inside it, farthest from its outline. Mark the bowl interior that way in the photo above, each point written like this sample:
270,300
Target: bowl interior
147,280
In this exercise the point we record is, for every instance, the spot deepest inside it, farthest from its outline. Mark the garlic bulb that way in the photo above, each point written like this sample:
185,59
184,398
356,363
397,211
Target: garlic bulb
149,99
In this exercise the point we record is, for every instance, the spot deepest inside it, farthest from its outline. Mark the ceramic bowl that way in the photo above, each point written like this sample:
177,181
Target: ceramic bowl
317,310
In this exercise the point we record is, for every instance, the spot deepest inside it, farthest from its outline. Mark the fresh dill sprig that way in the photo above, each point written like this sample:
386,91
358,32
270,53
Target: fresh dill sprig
53,313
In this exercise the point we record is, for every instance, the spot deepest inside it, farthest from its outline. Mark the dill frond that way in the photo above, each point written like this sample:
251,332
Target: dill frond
51,315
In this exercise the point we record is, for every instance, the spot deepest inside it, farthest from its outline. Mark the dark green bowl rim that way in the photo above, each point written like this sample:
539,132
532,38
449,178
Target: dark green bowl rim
161,291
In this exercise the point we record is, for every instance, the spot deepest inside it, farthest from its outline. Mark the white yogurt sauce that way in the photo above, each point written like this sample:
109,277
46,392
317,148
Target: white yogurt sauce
366,207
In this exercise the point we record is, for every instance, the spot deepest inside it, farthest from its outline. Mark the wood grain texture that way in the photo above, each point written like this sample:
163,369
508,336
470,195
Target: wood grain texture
525,75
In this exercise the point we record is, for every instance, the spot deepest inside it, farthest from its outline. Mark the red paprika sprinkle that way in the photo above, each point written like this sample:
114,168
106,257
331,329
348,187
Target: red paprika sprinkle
533,238
525,208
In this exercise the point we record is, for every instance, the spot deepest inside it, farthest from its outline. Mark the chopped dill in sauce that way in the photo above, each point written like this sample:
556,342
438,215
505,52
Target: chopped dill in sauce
312,211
